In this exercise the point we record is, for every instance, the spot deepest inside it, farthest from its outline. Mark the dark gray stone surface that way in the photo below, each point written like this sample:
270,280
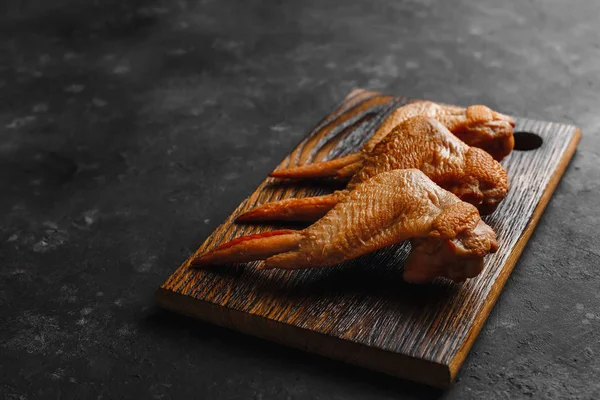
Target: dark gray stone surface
130,129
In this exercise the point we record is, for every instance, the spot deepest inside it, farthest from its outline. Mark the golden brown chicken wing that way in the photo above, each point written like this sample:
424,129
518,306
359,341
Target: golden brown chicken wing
418,142
477,126
448,236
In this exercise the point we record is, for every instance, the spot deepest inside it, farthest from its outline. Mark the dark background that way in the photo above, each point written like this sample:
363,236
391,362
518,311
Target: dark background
130,129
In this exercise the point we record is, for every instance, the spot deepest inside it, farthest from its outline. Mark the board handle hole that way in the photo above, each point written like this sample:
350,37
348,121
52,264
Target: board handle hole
526,141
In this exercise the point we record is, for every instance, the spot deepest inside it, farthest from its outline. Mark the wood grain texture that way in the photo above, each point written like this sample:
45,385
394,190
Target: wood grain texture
362,312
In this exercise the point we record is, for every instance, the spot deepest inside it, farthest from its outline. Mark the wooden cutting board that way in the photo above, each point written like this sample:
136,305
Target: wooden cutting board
362,312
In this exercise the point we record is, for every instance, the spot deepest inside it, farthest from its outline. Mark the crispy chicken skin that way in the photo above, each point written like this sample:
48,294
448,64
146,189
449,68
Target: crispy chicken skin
448,237
418,142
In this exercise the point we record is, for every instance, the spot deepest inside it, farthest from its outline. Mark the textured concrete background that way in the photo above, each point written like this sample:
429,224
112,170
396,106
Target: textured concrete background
130,129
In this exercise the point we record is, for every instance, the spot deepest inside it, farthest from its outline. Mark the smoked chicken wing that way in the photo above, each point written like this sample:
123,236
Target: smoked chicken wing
418,142
448,237
477,126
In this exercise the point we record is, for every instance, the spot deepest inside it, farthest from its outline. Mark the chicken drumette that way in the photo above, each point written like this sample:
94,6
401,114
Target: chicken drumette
418,142
448,237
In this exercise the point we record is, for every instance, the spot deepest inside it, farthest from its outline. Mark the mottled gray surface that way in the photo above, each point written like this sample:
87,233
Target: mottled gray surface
129,130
